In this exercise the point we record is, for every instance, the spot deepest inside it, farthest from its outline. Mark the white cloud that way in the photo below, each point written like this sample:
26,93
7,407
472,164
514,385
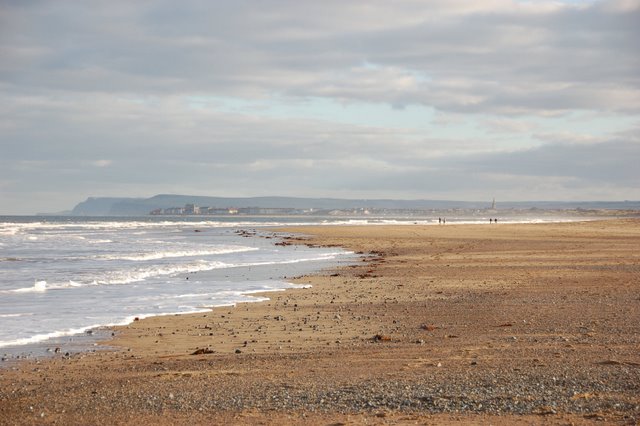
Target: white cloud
101,163
508,55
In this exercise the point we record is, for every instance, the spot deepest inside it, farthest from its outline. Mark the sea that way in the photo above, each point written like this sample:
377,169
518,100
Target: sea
65,280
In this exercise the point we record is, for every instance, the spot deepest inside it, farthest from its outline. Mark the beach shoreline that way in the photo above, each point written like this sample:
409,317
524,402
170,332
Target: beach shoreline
439,324
94,280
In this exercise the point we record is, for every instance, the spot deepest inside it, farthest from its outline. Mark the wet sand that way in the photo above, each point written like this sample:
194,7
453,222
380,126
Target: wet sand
500,324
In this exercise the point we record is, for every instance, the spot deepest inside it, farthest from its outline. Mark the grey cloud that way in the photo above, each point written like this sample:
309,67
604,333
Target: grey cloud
567,171
614,161
514,59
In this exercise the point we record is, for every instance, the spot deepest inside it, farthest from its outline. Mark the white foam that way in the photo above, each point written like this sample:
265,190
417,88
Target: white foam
38,287
46,336
195,295
100,241
9,229
324,256
127,277
178,253
43,286
142,274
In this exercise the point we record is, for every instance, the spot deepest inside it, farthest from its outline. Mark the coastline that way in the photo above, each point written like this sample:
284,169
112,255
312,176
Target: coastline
470,320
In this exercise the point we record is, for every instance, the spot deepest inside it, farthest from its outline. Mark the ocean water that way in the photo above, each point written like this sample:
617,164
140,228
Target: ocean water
64,276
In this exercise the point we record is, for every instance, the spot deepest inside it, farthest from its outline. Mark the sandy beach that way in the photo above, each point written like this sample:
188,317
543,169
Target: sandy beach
454,324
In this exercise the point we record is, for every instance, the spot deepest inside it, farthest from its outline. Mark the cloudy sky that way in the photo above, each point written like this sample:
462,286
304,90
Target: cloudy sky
428,99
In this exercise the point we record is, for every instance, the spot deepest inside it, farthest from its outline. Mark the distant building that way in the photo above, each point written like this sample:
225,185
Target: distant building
191,209
174,211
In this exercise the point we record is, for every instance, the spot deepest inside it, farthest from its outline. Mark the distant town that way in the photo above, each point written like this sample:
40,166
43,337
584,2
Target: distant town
195,210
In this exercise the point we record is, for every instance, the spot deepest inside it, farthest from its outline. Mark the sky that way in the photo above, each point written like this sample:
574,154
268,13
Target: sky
404,99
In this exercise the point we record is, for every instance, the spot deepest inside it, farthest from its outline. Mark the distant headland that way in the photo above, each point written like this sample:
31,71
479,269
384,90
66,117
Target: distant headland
170,204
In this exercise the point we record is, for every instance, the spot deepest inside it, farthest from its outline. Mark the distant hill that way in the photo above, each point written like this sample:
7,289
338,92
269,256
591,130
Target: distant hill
114,206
